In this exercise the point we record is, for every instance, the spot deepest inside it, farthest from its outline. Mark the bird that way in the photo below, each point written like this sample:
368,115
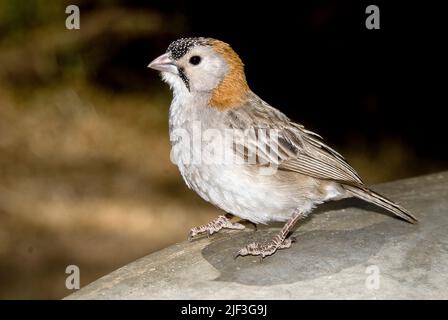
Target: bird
273,169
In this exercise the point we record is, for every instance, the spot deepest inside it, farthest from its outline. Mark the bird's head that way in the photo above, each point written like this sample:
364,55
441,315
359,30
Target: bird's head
206,67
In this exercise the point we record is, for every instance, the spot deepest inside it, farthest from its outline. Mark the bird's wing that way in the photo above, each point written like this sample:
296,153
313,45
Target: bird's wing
274,138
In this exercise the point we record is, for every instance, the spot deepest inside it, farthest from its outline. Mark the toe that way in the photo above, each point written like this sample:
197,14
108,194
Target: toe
242,252
238,226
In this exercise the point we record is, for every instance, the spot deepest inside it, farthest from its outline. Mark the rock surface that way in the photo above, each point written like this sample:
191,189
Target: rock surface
345,250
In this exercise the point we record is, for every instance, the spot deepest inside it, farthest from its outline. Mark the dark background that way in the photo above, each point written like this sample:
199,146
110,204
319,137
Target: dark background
317,62
85,176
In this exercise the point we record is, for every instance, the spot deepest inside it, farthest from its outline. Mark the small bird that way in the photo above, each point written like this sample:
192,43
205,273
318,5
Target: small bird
279,171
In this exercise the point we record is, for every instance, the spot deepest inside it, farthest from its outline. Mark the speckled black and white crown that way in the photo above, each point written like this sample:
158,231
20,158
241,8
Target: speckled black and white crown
180,47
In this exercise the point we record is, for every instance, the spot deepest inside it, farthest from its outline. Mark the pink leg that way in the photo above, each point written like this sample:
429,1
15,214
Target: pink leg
276,243
222,222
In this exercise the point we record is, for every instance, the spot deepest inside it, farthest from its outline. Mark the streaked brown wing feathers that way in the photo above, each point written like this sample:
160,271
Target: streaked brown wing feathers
296,150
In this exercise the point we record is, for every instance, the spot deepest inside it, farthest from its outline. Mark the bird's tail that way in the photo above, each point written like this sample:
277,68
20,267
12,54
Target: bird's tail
377,199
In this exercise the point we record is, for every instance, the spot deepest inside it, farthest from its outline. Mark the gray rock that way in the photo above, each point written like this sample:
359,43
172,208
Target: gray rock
338,252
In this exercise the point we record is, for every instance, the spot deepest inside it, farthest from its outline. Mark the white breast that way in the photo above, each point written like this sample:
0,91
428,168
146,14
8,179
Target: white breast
235,188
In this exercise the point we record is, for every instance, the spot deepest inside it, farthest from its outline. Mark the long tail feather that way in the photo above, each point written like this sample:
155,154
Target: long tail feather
377,199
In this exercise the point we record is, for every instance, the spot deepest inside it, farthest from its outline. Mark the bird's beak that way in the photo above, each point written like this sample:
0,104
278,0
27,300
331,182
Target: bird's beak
163,63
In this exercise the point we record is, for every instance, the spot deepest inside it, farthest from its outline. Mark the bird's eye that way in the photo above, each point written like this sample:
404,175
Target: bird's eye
195,60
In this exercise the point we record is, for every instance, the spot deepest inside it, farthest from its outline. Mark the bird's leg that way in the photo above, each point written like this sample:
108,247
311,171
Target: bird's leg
222,222
276,243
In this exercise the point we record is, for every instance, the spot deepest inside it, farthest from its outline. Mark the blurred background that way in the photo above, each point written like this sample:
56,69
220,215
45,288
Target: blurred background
85,176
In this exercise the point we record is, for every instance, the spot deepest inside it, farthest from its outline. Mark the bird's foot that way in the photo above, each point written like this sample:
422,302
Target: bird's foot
222,222
266,249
